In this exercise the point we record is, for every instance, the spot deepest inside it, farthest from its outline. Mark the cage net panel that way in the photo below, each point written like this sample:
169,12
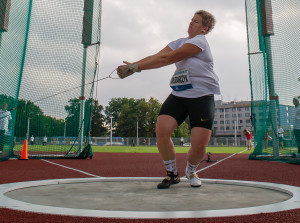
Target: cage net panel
275,78
12,45
48,64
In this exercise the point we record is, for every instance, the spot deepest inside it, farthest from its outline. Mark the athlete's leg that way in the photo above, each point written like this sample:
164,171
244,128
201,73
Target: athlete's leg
171,115
165,126
199,140
201,114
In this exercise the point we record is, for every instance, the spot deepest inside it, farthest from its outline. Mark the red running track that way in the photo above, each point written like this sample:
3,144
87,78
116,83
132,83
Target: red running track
237,167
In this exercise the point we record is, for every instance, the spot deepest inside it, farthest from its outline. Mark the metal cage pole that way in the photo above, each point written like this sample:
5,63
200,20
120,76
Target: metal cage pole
265,24
82,102
86,41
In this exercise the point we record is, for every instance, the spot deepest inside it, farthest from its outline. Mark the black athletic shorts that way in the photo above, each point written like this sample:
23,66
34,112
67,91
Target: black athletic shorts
201,111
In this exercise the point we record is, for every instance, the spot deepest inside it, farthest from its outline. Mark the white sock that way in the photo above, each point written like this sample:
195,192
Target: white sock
171,166
190,168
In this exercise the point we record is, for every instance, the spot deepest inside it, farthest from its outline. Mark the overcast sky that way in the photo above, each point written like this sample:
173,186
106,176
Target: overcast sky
134,29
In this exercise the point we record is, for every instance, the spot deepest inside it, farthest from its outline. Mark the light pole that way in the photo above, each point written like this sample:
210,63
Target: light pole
65,128
224,120
235,125
137,132
111,131
27,134
28,125
237,119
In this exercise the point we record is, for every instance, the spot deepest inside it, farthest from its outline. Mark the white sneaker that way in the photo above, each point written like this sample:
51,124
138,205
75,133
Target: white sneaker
194,180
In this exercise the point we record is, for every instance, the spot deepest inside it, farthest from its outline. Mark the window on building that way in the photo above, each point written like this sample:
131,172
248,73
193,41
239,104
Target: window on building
227,109
247,108
227,116
233,109
233,115
240,121
239,109
239,115
221,109
221,116
227,121
222,122
222,128
227,128
215,122
248,121
247,114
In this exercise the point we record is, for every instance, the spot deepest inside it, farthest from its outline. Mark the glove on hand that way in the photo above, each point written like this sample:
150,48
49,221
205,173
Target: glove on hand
127,70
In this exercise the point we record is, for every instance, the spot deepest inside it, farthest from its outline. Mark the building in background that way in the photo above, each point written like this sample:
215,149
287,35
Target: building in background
231,118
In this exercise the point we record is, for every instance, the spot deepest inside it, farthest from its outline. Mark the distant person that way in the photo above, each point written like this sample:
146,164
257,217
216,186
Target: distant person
280,132
194,84
5,125
297,122
181,141
247,133
144,142
44,140
31,140
266,141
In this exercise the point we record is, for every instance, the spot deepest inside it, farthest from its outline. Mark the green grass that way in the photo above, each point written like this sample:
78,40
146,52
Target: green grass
44,148
130,149
153,149
144,149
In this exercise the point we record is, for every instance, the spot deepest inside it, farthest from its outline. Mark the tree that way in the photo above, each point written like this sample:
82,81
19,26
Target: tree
27,110
97,122
114,107
72,120
93,118
154,108
127,121
40,124
126,112
182,130
113,110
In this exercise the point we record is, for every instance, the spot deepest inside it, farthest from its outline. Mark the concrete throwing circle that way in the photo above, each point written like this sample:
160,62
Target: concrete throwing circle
139,198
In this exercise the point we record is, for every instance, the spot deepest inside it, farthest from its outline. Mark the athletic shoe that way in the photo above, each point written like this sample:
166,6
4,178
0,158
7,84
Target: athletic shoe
194,180
170,179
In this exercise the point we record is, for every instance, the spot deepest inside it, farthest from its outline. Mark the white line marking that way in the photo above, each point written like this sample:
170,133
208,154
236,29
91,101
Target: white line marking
216,163
243,151
220,161
89,174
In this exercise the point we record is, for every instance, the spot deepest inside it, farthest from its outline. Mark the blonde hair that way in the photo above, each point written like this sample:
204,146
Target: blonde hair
208,19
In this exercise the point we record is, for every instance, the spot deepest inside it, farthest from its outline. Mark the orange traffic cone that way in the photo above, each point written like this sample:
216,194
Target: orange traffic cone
24,155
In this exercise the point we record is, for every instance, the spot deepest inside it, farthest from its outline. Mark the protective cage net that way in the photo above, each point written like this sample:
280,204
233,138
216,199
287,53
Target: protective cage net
48,62
273,44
